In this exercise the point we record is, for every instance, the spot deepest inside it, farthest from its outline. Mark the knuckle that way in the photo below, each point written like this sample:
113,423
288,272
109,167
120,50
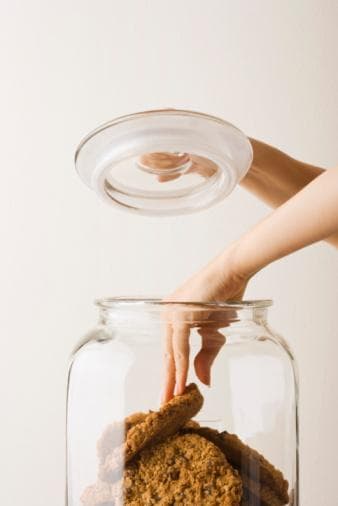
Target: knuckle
181,357
168,356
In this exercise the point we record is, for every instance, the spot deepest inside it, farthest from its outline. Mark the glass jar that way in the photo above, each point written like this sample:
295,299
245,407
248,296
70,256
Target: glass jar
250,407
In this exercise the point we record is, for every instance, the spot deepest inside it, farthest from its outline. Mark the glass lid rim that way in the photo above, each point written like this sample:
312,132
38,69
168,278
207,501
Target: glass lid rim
149,112
111,302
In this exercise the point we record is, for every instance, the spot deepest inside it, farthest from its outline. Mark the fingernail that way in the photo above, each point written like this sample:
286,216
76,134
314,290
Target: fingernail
207,380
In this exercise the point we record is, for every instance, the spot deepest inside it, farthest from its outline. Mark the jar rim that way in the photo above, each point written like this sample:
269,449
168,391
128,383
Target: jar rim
139,114
119,302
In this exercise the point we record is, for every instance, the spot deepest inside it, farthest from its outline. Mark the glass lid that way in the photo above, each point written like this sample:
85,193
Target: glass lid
164,162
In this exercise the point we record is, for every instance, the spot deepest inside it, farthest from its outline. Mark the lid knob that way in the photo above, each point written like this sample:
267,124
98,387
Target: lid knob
166,165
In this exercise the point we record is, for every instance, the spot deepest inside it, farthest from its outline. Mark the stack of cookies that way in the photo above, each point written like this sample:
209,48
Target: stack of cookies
165,458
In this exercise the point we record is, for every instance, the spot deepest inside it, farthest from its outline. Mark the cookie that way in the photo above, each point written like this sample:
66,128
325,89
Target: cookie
260,478
156,427
114,435
184,470
250,462
191,424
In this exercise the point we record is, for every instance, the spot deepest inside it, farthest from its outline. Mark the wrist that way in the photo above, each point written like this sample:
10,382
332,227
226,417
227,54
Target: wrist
232,262
240,263
254,172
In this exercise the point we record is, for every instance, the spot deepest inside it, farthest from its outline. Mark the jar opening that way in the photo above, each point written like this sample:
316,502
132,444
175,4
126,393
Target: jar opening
160,304
145,310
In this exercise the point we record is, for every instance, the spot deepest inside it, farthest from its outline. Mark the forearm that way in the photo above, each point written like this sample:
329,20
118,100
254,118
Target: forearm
310,216
274,176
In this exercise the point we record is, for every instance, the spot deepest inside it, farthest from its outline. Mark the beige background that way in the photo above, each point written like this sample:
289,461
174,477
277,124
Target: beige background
270,67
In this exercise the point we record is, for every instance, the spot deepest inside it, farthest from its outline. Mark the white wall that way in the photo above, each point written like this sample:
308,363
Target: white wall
270,67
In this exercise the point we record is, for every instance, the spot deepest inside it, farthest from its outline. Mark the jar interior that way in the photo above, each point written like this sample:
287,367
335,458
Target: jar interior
119,373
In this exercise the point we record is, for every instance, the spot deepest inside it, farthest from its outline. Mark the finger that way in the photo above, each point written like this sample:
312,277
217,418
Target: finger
165,179
212,342
169,366
181,349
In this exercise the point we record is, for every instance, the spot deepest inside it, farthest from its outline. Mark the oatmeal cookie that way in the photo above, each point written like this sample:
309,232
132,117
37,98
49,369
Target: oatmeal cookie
185,470
260,478
115,434
156,427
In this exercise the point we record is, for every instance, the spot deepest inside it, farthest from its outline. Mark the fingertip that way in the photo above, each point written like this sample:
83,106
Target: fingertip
168,388
204,378
179,388
166,396
203,371
163,398
178,391
207,381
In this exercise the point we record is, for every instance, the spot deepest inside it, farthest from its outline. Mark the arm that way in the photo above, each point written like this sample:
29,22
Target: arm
275,177
309,216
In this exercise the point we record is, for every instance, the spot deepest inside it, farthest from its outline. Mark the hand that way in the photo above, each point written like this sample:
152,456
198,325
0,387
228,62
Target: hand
219,281
166,164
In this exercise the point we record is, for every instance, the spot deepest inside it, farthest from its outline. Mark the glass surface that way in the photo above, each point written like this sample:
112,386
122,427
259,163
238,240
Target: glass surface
117,371
164,162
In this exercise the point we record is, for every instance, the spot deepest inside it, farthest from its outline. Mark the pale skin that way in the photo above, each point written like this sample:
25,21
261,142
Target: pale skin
305,202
